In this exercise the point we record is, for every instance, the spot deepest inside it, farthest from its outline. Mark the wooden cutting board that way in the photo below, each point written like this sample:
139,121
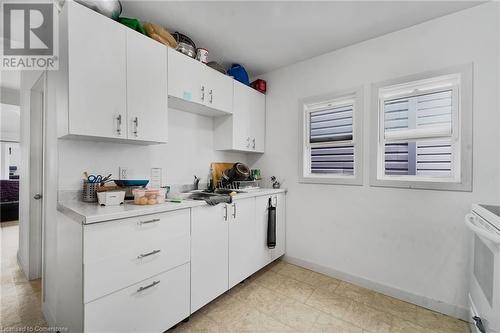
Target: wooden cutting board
217,169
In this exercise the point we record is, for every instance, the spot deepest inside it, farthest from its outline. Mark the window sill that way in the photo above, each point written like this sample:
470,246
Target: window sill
424,185
339,180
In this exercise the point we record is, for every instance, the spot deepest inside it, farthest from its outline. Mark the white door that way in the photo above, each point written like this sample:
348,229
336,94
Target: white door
147,99
185,77
209,260
219,90
96,74
242,135
37,176
242,240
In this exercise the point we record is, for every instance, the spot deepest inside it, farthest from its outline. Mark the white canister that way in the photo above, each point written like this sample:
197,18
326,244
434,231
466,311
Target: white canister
202,55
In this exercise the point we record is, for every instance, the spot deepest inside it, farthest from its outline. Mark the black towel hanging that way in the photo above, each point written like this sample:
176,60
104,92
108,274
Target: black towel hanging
271,225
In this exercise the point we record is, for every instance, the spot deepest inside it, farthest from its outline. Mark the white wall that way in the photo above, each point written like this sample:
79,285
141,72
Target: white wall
409,243
189,152
10,155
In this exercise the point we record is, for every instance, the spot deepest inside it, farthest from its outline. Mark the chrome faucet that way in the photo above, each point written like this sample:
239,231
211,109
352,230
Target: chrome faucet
196,182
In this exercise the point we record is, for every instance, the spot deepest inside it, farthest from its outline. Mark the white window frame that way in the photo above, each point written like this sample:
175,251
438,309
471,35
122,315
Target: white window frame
461,130
310,104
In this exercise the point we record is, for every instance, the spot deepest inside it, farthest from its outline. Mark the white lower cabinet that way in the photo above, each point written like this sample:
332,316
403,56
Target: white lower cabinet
264,254
209,257
152,305
242,240
229,243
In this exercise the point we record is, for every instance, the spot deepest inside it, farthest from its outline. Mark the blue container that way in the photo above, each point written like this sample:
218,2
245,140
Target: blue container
239,73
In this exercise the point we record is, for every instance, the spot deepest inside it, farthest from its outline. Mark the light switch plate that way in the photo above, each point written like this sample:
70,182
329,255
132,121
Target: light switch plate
122,173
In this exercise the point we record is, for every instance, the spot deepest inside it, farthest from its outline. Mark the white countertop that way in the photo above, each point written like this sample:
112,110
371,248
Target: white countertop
87,213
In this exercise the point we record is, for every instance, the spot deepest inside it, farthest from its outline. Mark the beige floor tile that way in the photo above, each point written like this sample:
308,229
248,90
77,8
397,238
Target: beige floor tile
277,265
354,292
297,290
404,326
330,303
294,314
318,279
255,321
370,319
261,298
294,272
395,307
270,279
442,323
329,324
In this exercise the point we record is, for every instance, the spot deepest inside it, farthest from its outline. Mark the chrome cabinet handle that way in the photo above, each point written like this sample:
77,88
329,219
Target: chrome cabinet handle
225,215
149,221
253,143
234,210
202,93
211,95
119,124
143,255
136,125
148,286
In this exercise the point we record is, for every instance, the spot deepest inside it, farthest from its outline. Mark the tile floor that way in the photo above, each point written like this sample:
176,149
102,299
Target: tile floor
280,298
19,298
287,298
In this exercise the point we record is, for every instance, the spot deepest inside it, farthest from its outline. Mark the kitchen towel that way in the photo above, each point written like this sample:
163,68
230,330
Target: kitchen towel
271,225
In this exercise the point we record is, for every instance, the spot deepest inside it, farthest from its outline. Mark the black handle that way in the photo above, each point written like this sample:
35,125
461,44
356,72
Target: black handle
271,225
479,324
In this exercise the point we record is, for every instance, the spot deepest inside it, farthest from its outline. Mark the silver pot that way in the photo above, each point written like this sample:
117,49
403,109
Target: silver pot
109,8
187,49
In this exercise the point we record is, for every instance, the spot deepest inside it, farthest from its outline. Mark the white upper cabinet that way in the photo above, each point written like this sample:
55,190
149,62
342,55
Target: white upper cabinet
147,100
245,129
112,82
97,77
219,90
197,88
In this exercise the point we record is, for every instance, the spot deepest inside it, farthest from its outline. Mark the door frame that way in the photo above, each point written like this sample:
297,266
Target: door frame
30,252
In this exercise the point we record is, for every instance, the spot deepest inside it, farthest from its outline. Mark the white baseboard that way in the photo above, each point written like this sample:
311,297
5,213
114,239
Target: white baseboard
49,317
423,301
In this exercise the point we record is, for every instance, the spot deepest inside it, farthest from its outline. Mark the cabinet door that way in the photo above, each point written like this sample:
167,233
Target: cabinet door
242,240
258,115
266,255
185,77
280,203
219,90
209,260
96,73
147,100
241,117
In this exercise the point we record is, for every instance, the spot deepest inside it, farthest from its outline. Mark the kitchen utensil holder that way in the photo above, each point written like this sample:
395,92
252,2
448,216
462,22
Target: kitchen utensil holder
89,193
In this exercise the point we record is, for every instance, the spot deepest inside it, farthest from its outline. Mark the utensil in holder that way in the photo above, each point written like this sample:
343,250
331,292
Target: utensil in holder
89,193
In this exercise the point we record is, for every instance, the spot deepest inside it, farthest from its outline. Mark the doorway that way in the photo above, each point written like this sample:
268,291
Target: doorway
22,243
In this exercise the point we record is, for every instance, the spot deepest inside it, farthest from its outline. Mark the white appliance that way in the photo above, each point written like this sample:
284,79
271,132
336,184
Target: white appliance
484,287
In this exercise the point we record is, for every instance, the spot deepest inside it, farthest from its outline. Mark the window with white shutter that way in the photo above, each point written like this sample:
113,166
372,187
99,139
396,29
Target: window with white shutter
420,134
331,134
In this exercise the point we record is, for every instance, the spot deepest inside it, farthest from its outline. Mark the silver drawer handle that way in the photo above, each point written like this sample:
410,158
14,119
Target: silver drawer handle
148,286
142,255
149,221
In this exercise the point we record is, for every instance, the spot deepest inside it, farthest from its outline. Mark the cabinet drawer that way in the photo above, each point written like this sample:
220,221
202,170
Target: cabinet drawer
120,253
162,302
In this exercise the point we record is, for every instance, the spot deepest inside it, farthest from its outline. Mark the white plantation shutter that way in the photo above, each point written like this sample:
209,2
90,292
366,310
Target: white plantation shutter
330,137
417,133
332,124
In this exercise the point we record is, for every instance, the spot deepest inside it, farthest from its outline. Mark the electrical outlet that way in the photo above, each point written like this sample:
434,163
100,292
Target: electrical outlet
122,173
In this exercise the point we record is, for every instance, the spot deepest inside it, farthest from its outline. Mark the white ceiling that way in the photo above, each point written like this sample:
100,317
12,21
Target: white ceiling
263,36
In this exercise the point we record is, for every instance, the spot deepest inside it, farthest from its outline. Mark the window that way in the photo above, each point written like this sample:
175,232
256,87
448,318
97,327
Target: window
424,132
331,140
